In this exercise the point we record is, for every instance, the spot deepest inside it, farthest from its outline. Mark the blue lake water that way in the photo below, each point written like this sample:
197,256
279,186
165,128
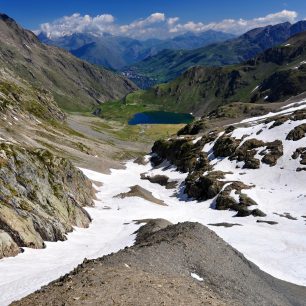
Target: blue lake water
159,117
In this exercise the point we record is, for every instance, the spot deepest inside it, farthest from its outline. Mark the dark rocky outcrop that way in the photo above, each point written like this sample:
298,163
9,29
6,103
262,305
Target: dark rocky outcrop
297,133
202,183
182,152
225,201
162,180
300,153
225,146
41,198
247,151
274,150
204,187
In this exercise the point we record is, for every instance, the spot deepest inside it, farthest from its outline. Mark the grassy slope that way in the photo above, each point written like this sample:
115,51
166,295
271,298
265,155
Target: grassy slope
74,84
169,64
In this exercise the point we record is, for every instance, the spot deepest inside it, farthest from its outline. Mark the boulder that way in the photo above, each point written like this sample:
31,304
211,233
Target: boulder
8,246
162,180
246,200
273,152
204,187
181,152
258,213
297,133
251,163
224,201
225,146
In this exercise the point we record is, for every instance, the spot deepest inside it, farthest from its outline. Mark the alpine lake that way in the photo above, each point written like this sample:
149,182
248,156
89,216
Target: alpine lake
161,117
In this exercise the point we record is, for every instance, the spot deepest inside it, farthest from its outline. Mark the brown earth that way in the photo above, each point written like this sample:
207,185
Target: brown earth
157,271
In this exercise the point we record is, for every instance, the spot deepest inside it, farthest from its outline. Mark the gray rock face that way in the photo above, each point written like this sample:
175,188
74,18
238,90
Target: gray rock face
297,133
41,198
7,245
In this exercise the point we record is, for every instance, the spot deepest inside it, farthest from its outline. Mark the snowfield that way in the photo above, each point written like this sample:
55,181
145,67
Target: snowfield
278,249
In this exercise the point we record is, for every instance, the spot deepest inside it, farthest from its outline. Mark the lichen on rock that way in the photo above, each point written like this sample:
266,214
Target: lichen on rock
41,198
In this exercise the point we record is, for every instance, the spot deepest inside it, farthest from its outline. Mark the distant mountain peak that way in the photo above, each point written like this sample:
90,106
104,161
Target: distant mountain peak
116,52
165,68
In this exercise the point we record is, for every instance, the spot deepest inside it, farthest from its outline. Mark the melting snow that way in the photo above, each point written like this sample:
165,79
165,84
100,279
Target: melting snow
197,277
285,110
299,65
277,249
255,89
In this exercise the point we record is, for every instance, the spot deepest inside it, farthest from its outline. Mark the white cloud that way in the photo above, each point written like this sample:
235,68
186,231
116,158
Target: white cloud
77,23
143,25
237,26
156,25
172,21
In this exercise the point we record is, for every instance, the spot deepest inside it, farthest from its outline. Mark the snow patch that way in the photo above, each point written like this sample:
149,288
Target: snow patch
197,277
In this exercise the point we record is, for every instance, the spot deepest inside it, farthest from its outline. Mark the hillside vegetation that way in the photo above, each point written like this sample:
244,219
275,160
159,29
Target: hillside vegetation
274,75
169,64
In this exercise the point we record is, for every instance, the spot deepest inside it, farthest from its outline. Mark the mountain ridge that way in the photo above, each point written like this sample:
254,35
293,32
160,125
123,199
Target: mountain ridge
176,259
116,52
168,65
73,83
275,75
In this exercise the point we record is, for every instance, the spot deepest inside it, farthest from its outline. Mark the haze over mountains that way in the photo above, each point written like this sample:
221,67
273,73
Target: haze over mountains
116,52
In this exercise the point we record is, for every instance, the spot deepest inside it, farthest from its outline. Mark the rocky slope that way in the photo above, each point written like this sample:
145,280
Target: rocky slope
229,165
172,265
169,64
74,84
41,195
274,75
42,198
17,96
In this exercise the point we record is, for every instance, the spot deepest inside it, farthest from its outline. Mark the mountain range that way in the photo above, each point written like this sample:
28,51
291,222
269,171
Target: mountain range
274,75
169,64
238,172
116,52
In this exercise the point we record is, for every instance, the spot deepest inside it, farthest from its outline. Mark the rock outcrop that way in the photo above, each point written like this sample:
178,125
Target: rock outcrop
198,154
41,198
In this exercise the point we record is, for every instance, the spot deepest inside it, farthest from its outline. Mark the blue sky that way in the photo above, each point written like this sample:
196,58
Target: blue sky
32,13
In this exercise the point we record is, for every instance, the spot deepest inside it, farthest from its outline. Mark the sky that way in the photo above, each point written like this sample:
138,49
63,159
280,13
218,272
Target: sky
150,19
